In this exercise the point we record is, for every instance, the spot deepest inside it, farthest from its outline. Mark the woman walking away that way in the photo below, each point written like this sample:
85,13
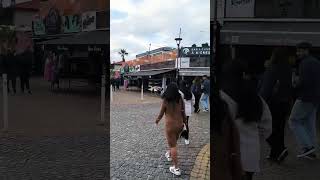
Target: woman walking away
250,114
187,96
226,145
196,90
173,108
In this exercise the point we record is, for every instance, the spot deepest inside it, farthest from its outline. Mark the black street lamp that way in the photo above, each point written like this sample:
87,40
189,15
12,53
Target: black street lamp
178,40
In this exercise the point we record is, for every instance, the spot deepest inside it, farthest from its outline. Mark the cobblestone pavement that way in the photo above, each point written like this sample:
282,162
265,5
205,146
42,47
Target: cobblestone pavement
57,158
47,113
53,136
201,168
292,168
138,145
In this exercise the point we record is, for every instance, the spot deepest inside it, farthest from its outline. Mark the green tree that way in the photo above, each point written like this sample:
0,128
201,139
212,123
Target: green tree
123,53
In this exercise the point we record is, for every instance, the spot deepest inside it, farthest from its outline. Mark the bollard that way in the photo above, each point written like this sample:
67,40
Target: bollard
5,102
111,93
142,91
103,98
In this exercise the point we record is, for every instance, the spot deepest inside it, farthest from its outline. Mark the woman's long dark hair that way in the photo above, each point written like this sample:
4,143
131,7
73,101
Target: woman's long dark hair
186,90
171,94
243,92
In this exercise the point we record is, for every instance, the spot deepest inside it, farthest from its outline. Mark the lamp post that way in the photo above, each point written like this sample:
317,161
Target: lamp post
178,41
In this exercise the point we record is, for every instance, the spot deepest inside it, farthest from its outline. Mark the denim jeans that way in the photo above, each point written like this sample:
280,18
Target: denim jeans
205,101
303,123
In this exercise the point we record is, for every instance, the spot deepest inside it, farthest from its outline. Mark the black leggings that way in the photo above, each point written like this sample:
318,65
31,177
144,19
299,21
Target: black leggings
187,126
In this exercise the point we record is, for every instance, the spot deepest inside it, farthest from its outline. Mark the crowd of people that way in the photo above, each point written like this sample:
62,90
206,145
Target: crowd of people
177,108
16,66
246,109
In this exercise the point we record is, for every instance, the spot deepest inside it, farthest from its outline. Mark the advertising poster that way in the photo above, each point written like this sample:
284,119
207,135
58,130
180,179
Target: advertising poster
89,21
71,23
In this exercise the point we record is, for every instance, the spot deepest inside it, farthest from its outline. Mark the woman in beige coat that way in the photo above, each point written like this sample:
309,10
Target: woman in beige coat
173,109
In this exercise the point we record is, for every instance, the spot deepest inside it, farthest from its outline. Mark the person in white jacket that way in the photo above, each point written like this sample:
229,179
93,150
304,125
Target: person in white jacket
188,98
251,115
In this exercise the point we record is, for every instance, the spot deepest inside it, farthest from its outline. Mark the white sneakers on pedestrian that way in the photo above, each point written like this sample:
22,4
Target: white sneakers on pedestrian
186,141
168,156
175,171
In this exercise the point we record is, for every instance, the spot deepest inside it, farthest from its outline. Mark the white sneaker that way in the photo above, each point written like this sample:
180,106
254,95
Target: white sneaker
168,156
175,171
187,142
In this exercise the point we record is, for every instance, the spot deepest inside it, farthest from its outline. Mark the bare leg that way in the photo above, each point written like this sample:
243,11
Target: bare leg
174,155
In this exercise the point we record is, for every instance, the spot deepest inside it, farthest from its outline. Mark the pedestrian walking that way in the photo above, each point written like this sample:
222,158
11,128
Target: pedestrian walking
12,70
55,72
196,90
173,109
188,98
205,93
276,90
25,61
226,143
304,111
249,112
118,80
48,69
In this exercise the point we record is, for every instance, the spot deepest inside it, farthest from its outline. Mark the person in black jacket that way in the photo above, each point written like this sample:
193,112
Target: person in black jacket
196,90
11,66
25,61
276,89
303,114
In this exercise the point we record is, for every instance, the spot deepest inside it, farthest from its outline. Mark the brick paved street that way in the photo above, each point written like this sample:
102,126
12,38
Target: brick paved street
53,136
138,145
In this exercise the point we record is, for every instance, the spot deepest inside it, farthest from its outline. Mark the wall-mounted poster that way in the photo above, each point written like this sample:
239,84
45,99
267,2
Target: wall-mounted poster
38,27
71,23
240,8
89,21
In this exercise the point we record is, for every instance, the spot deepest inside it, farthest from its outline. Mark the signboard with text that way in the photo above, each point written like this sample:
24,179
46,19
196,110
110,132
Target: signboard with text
240,8
184,62
195,51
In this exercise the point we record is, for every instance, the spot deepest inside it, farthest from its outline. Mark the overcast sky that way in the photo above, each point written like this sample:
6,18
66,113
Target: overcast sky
137,23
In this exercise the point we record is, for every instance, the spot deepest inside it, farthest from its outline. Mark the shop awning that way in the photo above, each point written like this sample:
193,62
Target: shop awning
194,72
150,72
98,37
270,33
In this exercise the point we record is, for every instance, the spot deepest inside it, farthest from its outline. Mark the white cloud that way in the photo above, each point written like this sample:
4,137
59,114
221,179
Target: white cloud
158,22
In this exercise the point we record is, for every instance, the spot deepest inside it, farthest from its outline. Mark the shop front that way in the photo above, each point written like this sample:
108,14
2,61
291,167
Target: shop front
194,62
